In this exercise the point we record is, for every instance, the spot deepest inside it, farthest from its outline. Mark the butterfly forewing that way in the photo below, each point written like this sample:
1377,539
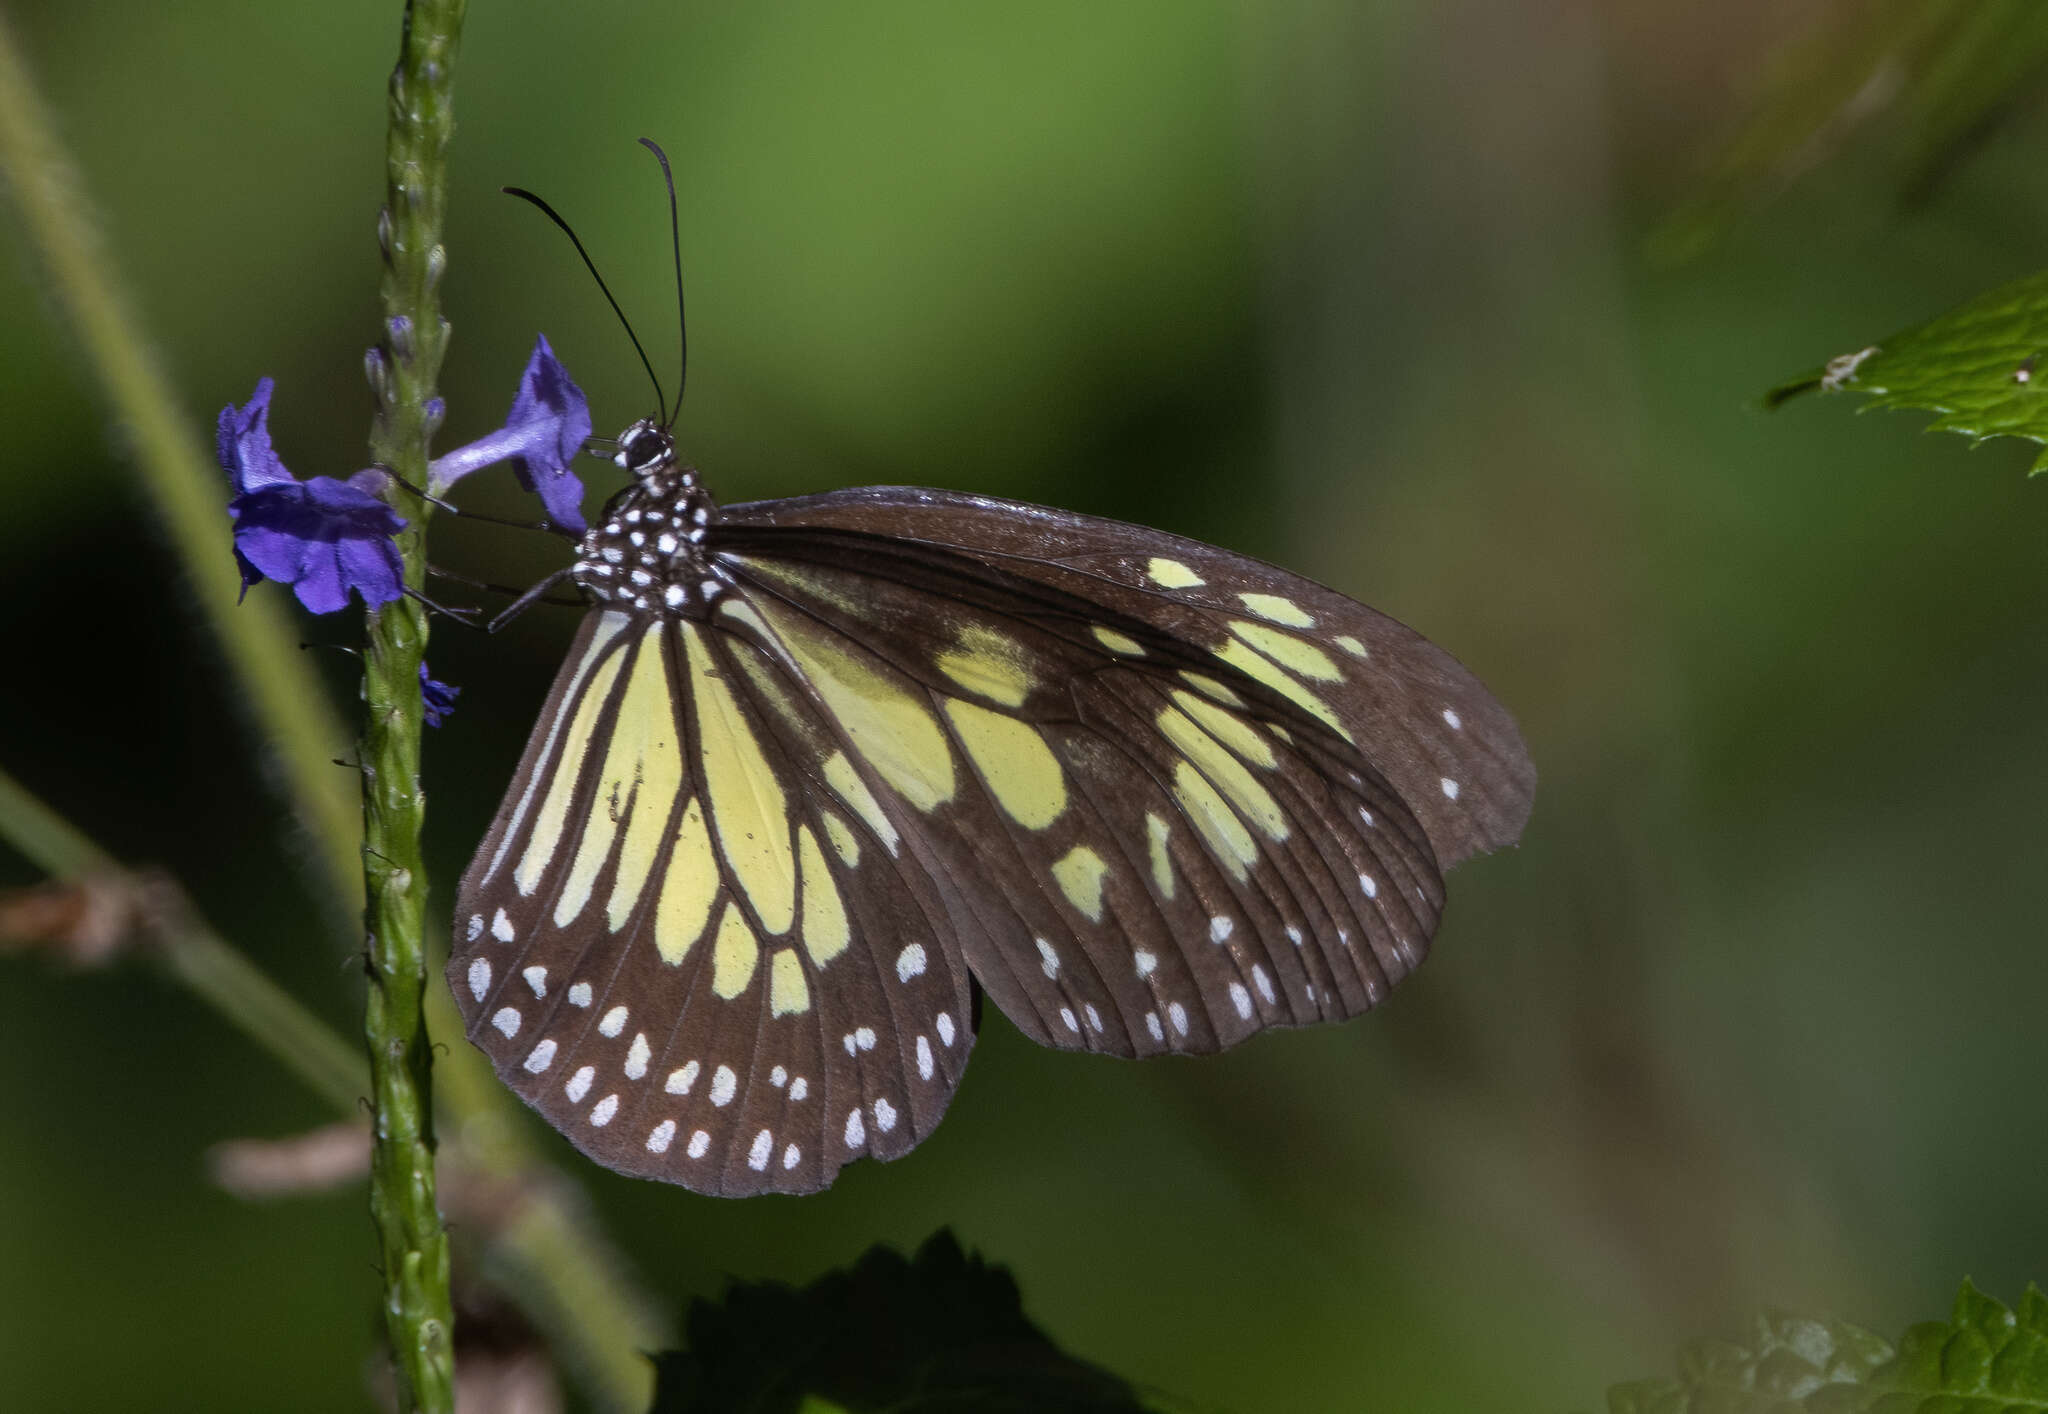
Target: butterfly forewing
1426,723
684,951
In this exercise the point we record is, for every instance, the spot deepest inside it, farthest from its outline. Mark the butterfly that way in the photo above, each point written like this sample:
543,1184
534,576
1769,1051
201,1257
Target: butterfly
820,774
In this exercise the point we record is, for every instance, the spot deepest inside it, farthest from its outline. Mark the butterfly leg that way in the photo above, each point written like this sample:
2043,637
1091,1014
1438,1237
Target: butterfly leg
449,506
528,599
505,589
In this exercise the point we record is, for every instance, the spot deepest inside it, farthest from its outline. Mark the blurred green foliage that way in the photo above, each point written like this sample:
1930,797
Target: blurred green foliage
1350,287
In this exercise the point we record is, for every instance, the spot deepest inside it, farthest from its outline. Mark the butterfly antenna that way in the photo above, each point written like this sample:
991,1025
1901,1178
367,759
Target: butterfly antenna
660,398
675,240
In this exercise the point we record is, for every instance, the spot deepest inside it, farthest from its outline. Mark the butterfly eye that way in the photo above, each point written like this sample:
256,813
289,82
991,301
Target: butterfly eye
643,447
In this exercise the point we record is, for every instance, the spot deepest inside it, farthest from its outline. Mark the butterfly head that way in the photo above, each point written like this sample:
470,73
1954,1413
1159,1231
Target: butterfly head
646,449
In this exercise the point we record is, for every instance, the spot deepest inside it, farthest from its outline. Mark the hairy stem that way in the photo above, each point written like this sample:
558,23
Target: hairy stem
417,1308
282,692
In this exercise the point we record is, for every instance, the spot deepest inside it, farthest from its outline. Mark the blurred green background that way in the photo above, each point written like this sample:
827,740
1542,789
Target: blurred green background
1752,1015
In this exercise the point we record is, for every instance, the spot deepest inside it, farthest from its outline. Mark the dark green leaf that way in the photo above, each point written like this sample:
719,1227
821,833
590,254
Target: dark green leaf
942,1333
1974,368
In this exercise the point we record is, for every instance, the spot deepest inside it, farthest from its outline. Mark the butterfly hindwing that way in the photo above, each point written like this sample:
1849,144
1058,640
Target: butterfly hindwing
688,955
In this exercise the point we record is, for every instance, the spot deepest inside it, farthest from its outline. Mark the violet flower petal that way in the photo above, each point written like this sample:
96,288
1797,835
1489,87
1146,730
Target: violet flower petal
544,433
242,442
437,699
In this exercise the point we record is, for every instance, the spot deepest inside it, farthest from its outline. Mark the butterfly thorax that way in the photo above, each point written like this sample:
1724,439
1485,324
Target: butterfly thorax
646,551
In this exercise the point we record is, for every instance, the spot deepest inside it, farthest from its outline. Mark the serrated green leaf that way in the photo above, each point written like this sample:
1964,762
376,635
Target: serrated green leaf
1985,1359
1974,368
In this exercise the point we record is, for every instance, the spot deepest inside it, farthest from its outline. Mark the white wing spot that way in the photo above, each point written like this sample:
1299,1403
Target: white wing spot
1050,959
945,1025
1145,961
1451,719
476,926
924,1058
757,1157
799,1088
579,1083
910,962
848,1042
680,1081
605,1109
1152,1025
1094,1016
1263,982
480,977
1241,999
1366,816
537,978
1178,1015
1370,885
540,1057
778,1077
1450,788
637,1056
1294,935
507,1021
660,1137
885,1116
856,1131
501,926
579,995
865,1038
1219,928
1067,1017
790,1156
699,1142
724,1085
614,1022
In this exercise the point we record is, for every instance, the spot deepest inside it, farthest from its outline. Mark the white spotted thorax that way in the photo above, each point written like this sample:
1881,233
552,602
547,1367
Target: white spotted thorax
646,552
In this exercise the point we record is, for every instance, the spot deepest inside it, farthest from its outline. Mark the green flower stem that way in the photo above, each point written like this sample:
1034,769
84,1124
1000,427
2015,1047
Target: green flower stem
417,1309
284,695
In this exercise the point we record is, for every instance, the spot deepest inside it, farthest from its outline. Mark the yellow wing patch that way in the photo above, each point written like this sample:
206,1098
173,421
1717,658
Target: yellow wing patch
1278,610
989,665
1288,651
564,772
734,955
1022,773
897,734
1172,574
748,809
788,993
1079,873
688,891
826,930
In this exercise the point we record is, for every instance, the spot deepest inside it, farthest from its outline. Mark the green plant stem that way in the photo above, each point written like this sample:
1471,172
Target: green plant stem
417,1307
282,692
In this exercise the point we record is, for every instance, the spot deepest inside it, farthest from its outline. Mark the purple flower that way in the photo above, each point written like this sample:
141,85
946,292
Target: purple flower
546,430
323,537
437,699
